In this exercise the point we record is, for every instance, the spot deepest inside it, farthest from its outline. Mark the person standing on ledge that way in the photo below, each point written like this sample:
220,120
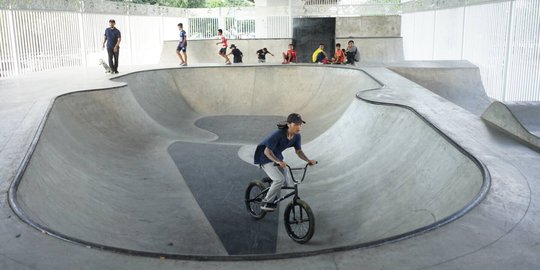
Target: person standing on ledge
112,39
237,54
269,157
223,51
182,45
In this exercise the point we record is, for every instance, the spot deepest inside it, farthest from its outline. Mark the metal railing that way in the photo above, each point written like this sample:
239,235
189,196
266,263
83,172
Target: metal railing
500,36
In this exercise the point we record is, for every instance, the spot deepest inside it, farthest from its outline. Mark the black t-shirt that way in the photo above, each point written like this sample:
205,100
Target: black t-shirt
262,54
237,55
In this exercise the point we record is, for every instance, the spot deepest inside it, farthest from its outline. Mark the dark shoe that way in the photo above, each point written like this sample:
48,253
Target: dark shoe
269,207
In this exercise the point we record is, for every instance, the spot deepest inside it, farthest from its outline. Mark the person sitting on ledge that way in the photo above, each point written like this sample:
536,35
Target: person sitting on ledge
319,55
290,55
339,55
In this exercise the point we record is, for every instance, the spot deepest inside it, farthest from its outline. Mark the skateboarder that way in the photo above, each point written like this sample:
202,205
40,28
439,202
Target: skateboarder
112,39
261,55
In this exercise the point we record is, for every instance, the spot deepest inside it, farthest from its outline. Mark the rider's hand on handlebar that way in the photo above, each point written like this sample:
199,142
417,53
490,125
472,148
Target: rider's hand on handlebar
312,162
282,164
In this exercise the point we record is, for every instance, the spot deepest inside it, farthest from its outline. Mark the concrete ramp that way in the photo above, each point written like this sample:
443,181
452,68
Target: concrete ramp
456,81
159,167
521,119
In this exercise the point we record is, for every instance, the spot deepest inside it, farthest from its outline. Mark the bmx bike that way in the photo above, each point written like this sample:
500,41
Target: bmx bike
298,217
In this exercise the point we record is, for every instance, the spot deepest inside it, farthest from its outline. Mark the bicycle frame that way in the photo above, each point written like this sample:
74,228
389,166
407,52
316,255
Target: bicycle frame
294,188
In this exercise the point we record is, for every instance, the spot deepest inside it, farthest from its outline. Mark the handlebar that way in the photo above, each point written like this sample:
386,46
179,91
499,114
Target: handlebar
297,169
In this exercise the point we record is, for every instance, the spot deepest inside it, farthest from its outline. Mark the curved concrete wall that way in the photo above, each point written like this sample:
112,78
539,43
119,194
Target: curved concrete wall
101,171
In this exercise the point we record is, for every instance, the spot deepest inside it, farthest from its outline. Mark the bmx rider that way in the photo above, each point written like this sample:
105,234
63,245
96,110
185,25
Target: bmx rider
269,152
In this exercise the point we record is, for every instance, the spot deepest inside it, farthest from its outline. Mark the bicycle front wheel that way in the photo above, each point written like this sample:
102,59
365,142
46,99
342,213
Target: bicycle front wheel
254,196
299,221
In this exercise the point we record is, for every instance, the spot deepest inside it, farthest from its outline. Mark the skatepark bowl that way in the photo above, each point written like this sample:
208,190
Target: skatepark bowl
159,166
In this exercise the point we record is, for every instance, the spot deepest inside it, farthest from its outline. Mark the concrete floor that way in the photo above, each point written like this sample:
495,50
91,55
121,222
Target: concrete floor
500,233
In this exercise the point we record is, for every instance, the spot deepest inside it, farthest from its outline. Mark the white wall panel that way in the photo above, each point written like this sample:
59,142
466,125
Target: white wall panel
485,43
418,33
502,38
448,34
523,79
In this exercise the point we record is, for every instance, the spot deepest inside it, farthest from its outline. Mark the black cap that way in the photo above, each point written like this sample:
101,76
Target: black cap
295,118
232,46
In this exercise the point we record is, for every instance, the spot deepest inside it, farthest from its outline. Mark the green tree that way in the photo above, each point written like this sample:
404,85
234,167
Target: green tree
193,3
184,3
227,3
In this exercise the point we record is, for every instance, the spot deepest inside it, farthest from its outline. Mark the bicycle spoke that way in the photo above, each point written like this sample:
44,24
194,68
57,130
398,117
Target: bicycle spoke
254,197
299,222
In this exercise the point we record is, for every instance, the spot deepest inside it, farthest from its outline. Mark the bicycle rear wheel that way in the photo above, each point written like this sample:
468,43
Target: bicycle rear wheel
254,197
299,221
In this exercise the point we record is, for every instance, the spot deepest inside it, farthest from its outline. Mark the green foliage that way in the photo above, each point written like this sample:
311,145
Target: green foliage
387,1
193,3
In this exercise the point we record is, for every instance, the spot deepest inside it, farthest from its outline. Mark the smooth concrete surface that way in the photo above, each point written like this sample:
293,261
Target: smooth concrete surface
521,119
321,100
457,81
500,233
217,178
369,26
206,51
134,125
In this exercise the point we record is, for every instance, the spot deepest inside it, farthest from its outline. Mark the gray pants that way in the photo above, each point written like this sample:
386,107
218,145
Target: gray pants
279,177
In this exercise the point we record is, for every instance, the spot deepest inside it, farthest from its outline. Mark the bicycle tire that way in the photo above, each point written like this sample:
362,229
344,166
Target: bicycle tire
296,216
253,199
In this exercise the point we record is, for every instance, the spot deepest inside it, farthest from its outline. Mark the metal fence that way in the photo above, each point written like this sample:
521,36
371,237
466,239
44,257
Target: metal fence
41,40
502,38
42,35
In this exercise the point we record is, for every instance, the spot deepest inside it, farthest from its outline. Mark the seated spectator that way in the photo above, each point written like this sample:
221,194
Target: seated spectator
290,55
352,53
339,55
319,55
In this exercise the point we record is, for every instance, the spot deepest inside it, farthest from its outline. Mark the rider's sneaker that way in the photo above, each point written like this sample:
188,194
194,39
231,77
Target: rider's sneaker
269,207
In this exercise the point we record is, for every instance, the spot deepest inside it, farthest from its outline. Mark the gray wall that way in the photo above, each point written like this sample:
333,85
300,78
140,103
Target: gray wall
368,26
376,50
377,37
